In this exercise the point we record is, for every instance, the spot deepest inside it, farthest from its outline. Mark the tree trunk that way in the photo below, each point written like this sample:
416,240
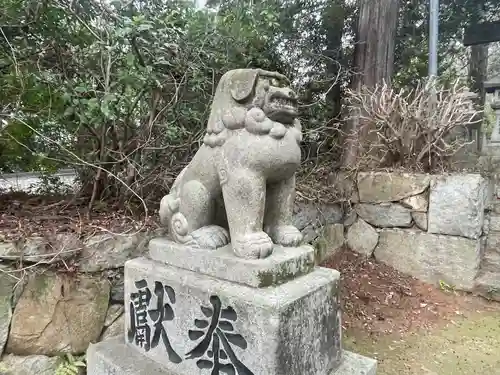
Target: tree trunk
333,23
478,70
373,59
478,73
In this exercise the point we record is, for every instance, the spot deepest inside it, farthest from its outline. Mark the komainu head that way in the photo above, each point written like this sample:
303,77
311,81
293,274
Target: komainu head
260,93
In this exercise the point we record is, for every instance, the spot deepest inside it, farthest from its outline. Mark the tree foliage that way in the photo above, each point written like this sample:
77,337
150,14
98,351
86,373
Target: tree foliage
121,90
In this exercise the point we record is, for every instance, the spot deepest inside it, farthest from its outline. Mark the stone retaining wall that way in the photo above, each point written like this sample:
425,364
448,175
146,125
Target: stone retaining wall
61,293
438,228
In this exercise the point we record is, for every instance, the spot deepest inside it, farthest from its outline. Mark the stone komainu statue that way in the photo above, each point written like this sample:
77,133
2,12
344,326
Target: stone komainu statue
243,176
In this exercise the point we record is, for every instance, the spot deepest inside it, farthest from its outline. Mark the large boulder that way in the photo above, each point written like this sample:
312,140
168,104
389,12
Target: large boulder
7,284
487,282
378,187
29,365
107,251
430,257
420,220
385,215
456,205
362,237
41,249
417,203
58,313
310,218
330,241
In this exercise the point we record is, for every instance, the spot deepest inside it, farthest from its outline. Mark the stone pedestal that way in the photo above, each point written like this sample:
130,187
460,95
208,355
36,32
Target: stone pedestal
195,312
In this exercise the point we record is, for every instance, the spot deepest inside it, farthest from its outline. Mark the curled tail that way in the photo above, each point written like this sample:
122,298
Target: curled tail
174,220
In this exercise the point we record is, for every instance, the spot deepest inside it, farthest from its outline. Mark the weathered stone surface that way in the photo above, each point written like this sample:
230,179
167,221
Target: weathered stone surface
331,241
29,365
8,249
362,237
106,251
42,250
245,171
115,357
310,218
431,257
379,187
58,314
115,329
385,215
418,203
282,265
494,223
117,293
114,312
7,284
420,219
456,205
487,282
355,364
350,218
291,329
314,215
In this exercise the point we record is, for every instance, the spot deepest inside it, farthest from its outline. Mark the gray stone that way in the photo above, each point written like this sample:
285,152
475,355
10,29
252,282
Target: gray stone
8,249
362,238
107,251
282,265
456,205
494,223
240,185
117,293
350,218
290,329
42,250
310,218
115,329
331,241
379,187
58,314
115,357
7,284
309,215
487,282
431,257
355,364
420,219
417,203
114,312
385,215
310,234
29,365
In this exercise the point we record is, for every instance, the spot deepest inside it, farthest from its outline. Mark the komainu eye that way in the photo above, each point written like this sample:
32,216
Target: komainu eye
275,82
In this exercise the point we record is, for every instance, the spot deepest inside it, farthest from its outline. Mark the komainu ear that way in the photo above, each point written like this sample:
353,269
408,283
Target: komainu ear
242,83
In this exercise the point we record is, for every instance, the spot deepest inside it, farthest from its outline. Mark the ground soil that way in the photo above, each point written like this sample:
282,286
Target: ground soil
412,327
23,215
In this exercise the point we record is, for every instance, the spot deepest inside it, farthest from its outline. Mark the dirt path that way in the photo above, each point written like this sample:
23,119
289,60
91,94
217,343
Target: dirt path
412,327
467,346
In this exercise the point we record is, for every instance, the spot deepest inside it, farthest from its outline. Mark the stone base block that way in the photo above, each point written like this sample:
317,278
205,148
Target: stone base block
282,265
196,324
115,357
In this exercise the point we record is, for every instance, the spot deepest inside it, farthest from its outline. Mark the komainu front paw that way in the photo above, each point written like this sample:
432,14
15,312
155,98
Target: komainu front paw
285,235
210,237
253,245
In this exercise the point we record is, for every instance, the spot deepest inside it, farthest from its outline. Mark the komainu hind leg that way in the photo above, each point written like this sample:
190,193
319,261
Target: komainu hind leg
189,215
279,209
